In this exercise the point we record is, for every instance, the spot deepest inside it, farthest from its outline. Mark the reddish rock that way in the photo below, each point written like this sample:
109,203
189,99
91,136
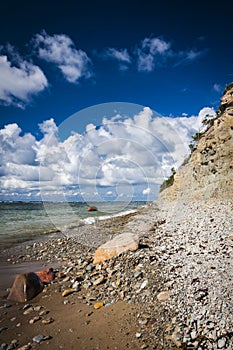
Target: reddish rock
25,287
118,245
47,275
92,208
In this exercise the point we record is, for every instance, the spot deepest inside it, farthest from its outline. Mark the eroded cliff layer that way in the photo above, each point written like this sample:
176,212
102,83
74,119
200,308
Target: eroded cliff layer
208,173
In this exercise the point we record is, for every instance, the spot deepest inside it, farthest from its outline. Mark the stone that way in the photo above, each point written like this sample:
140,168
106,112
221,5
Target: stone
221,343
46,275
40,337
162,296
98,305
34,320
61,275
76,286
25,287
92,208
99,280
119,244
26,347
67,292
47,320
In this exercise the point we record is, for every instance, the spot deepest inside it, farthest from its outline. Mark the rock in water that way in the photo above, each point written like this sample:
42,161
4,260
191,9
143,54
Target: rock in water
25,287
119,244
92,208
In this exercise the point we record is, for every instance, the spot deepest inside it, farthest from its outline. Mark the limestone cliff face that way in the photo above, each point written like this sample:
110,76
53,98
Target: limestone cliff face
209,171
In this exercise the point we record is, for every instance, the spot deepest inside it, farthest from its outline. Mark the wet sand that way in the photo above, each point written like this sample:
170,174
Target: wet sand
75,322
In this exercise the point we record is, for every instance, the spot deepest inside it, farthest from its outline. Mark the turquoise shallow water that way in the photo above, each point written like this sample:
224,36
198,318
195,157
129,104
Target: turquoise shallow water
24,221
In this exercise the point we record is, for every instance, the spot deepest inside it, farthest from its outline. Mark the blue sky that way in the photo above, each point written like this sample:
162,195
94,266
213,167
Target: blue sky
58,61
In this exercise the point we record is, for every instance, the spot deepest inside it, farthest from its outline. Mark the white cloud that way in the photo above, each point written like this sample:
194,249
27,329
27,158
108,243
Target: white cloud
122,156
19,80
150,52
146,191
60,49
120,55
155,46
217,87
155,52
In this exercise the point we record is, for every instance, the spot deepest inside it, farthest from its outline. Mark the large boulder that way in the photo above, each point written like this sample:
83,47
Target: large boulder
25,287
119,244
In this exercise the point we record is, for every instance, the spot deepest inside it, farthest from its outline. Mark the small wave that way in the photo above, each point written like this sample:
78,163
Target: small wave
91,220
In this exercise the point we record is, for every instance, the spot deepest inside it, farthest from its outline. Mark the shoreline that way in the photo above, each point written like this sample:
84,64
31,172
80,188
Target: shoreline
65,229
184,250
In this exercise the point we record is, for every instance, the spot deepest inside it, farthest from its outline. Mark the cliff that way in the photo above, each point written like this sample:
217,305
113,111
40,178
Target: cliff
209,171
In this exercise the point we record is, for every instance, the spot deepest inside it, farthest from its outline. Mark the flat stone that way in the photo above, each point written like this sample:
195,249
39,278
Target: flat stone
162,296
116,246
40,337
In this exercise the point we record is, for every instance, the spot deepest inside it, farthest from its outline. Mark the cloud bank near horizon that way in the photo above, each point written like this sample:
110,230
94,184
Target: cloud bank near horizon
121,159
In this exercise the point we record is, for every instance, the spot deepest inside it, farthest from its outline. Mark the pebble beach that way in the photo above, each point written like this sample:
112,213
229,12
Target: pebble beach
174,292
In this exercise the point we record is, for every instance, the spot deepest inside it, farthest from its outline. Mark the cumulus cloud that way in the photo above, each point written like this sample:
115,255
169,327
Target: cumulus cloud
121,156
149,49
20,79
60,50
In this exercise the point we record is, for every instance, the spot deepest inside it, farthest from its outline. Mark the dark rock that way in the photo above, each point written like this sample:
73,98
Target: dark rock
25,287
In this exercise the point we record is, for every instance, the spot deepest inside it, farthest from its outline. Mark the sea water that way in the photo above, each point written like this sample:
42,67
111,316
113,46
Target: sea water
24,221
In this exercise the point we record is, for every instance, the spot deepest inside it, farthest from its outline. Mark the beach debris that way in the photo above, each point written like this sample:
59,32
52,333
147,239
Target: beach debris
98,305
46,275
92,208
119,244
25,287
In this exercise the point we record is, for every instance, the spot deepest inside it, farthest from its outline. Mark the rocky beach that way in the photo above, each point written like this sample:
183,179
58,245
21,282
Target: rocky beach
158,278
173,292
